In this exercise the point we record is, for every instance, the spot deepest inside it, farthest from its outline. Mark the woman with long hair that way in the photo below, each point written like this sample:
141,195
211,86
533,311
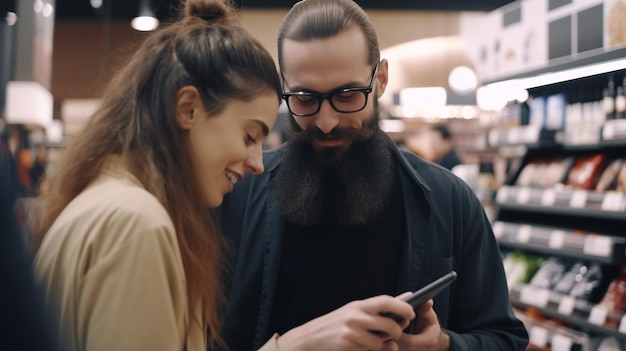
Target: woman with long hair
127,253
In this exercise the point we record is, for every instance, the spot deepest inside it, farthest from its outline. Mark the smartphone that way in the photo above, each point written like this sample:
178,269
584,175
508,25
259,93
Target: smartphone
424,294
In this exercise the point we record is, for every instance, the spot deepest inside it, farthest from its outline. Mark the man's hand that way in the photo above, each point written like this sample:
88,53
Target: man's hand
358,325
426,333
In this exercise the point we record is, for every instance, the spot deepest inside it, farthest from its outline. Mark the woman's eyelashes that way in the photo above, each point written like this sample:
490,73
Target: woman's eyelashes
250,139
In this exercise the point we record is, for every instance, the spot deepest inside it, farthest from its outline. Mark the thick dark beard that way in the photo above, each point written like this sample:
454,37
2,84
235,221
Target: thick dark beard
348,187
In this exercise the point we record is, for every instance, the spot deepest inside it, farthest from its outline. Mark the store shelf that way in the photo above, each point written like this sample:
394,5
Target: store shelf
576,312
614,133
569,63
553,241
580,137
529,136
565,201
543,333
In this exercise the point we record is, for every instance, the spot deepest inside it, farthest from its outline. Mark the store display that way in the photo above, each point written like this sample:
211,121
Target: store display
585,171
615,297
621,180
620,101
608,100
610,344
550,273
608,178
576,187
588,282
519,267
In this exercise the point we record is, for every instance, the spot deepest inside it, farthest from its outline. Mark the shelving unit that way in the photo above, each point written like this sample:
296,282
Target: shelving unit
576,312
563,221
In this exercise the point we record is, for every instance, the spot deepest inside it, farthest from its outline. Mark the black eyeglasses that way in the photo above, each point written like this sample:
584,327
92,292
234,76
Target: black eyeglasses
344,100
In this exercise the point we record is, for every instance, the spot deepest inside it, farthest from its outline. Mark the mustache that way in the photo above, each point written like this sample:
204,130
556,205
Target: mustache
357,134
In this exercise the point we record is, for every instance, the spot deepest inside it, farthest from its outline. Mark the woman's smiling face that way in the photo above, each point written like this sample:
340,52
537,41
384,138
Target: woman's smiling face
226,146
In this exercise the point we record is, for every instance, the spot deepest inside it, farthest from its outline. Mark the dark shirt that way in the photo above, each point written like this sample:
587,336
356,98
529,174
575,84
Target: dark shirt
450,160
446,229
347,262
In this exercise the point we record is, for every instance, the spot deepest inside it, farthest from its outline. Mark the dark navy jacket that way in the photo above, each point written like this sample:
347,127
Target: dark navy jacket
446,230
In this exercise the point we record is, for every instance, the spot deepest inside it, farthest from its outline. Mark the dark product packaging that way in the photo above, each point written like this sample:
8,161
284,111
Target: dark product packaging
615,297
549,273
588,282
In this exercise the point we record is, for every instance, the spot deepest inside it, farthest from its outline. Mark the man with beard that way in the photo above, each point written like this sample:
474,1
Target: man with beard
341,215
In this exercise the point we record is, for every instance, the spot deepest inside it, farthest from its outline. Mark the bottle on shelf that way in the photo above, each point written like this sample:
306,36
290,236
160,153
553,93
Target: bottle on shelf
620,101
608,100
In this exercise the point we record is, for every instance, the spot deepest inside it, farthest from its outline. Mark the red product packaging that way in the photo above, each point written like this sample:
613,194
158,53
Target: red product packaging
585,171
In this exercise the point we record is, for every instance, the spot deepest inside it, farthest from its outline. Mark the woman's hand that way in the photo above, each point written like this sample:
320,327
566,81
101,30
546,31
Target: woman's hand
358,325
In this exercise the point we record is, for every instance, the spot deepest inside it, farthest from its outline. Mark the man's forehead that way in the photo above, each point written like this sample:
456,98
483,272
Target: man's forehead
325,72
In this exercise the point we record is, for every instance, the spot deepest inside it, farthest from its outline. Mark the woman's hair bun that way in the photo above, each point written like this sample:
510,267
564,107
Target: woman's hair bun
210,11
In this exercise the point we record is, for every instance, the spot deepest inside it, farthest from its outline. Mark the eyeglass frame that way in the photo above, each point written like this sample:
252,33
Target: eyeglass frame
366,90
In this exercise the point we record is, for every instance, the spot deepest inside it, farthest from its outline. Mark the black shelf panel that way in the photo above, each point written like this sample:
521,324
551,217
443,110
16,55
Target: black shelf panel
528,135
569,63
578,313
568,211
568,202
614,133
554,241
610,134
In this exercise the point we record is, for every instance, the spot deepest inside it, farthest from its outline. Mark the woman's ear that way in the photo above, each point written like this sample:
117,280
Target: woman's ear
187,103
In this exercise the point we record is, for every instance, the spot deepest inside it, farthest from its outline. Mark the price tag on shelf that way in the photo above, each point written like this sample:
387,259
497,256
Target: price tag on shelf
597,245
579,199
608,131
524,233
531,134
557,239
548,198
538,336
613,201
494,137
561,343
566,305
534,296
622,325
503,194
498,229
513,136
598,315
523,195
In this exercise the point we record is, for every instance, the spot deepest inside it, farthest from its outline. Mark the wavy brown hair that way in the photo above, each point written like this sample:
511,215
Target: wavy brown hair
204,48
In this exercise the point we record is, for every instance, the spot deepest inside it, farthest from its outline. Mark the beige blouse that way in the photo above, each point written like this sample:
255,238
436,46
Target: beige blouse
112,274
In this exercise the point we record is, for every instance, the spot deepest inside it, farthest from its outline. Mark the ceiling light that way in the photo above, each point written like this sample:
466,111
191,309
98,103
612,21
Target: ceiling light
38,6
144,23
47,10
11,18
96,4
462,79
146,20
565,75
423,97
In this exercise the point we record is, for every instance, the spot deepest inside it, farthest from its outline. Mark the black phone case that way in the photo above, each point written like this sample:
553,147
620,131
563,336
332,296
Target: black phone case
424,294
